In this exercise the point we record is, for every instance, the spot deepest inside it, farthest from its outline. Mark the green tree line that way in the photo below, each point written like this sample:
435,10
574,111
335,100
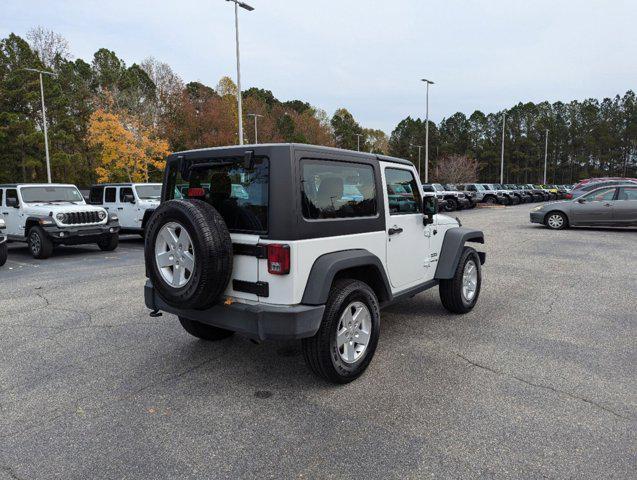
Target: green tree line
586,138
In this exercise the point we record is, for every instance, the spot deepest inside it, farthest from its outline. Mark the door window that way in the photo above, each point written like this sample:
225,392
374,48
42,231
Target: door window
402,192
627,193
125,191
109,195
602,195
1,194
96,195
12,193
337,190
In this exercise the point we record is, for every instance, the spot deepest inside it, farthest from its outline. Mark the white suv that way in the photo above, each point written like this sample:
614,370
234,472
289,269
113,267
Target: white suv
288,241
45,215
134,203
3,243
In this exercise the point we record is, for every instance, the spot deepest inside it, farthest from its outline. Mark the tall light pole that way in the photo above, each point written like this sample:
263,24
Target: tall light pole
419,150
46,135
502,152
428,82
247,7
256,116
546,151
358,140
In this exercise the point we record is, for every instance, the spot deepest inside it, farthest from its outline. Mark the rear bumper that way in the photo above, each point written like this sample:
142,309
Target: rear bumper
256,321
537,217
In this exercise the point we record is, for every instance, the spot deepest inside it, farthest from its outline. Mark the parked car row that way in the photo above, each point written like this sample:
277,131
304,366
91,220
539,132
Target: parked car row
453,197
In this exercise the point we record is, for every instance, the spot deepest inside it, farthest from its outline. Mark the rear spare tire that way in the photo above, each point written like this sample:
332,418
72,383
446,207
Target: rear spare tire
188,253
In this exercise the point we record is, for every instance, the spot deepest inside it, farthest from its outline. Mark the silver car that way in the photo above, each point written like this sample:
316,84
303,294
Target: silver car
614,206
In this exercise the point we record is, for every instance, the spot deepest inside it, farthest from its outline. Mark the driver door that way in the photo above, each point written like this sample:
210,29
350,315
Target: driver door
597,207
407,245
128,212
12,216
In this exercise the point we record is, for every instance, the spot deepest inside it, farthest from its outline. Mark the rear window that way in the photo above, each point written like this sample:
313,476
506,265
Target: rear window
238,192
337,190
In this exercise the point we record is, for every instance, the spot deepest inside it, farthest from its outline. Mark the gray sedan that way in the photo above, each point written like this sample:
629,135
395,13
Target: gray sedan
605,206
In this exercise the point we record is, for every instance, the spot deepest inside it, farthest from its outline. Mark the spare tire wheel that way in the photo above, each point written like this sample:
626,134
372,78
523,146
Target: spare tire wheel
188,253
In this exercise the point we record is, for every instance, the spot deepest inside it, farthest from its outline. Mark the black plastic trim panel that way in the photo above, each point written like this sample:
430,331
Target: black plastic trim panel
259,251
260,289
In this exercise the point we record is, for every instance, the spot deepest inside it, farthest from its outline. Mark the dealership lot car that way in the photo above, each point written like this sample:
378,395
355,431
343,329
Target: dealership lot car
45,215
454,200
133,203
605,206
299,259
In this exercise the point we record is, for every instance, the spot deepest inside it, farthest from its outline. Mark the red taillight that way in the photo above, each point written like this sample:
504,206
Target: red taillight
278,259
568,195
195,192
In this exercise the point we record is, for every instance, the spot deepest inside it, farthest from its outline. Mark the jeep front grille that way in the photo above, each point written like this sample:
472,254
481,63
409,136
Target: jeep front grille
76,218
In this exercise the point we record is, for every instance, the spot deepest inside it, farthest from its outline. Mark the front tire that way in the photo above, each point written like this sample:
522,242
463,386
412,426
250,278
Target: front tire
460,293
4,253
40,245
452,205
109,242
203,331
345,343
556,221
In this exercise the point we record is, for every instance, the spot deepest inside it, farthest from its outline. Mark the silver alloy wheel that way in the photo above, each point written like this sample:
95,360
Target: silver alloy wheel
36,243
555,221
469,281
353,332
174,255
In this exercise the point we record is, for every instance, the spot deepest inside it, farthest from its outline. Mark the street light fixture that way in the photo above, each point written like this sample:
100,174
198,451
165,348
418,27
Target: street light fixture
546,151
419,150
358,140
504,114
247,7
256,117
428,82
46,136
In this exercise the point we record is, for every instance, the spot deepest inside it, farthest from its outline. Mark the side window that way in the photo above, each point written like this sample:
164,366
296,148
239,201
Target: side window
12,193
1,195
602,195
96,195
333,189
402,192
472,188
109,195
627,193
123,191
428,188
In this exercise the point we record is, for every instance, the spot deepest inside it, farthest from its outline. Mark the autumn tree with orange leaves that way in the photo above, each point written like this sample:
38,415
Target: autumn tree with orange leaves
127,151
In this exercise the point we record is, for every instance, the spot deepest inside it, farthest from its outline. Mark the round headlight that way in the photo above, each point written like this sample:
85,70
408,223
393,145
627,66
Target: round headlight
101,215
60,217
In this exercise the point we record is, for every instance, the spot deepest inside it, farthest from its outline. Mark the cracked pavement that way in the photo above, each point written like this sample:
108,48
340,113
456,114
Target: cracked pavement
539,380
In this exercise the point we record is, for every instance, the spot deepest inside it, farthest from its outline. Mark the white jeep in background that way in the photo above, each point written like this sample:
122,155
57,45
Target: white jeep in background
3,243
134,203
314,243
45,215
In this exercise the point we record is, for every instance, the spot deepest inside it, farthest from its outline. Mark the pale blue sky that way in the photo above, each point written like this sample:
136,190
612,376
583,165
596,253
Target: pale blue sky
367,56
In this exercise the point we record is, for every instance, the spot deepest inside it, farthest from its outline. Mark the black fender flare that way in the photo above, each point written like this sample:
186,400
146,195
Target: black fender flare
326,267
30,222
452,247
147,214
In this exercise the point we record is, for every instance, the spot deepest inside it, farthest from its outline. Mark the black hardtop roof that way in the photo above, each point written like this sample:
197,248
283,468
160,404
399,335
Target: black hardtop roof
263,147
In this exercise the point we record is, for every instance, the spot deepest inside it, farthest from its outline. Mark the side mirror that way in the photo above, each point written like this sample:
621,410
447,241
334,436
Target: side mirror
129,199
429,209
12,202
581,200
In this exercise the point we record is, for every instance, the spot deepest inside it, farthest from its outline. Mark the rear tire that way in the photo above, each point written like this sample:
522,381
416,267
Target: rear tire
4,253
352,316
203,331
40,245
109,242
490,200
452,205
460,293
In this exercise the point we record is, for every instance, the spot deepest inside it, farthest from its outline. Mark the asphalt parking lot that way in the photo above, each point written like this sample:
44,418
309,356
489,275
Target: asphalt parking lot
538,381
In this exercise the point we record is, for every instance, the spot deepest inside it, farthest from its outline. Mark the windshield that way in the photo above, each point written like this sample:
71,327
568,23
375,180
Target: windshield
480,188
238,192
149,192
51,194
438,187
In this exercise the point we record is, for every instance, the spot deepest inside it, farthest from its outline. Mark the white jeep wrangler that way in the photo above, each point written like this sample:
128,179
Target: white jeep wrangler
45,215
288,241
133,203
3,243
